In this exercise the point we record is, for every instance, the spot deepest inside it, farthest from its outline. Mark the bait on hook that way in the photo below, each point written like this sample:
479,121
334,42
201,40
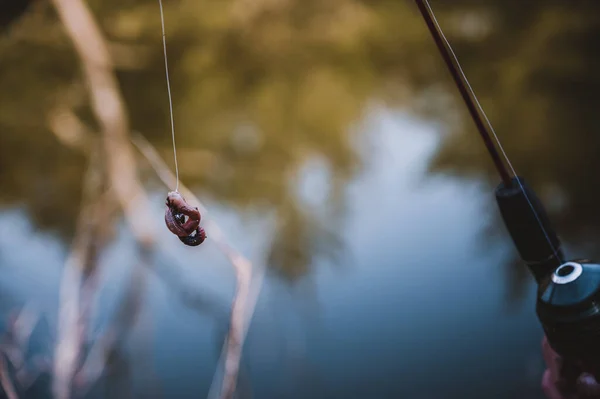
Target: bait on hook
188,231
177,209
568,291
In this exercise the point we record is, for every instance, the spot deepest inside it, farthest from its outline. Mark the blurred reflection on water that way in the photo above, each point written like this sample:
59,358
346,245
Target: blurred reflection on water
388,277
419,299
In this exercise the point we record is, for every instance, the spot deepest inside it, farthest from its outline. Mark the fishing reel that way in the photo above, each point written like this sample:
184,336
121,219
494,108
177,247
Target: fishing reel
568,295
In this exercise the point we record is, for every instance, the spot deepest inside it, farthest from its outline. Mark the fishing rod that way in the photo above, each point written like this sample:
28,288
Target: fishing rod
568,295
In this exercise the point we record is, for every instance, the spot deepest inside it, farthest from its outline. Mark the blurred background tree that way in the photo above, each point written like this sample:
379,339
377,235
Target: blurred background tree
261,87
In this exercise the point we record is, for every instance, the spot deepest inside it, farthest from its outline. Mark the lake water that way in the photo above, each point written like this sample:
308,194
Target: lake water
416,309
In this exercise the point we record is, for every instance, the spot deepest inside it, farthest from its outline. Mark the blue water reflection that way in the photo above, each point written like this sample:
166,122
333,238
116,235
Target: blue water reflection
416,310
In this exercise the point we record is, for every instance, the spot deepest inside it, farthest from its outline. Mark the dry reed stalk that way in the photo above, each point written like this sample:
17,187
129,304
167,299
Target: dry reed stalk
244,301
108,107
119,162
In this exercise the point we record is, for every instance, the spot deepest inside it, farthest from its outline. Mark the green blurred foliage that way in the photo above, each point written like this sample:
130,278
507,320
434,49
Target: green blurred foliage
262,86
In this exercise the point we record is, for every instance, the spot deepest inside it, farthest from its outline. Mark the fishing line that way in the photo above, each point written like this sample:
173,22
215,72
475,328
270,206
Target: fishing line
487,121
164,40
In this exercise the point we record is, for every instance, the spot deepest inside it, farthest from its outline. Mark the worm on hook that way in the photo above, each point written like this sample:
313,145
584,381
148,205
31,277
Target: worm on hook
175,212
189,232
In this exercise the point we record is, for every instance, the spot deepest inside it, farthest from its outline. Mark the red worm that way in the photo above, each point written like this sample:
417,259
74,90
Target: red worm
176,210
